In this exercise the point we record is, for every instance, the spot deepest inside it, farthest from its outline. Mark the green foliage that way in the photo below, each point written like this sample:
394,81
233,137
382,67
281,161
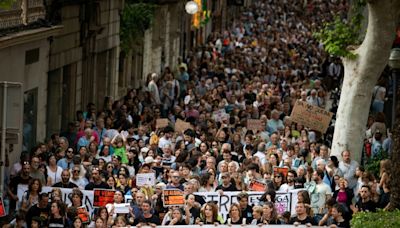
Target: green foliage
136,19
338,35
373,164
376,219
6,4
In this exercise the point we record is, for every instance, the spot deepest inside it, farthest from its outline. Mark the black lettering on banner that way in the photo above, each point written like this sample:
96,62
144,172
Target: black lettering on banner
224,202
88,204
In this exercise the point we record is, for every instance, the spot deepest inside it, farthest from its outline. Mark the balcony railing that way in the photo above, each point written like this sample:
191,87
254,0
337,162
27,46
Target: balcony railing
22,12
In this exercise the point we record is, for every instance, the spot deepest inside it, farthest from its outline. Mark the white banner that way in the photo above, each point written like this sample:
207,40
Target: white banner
284,201
87,199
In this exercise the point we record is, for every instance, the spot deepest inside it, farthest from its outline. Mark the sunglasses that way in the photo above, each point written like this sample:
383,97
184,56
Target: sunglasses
76,171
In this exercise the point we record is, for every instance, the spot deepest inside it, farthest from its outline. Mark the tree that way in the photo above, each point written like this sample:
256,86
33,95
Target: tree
362,68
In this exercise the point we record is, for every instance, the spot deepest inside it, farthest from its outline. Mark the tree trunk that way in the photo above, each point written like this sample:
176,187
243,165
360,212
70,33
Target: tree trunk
360,77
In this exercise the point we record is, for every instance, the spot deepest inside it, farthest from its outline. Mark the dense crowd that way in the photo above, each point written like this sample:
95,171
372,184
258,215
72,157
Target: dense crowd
258,69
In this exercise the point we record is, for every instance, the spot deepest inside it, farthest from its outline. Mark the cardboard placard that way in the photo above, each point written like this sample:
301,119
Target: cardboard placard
257,186
311,116
143,179
173,197
161,123
2,209
283,170
256,125
181,125
102,197
83,214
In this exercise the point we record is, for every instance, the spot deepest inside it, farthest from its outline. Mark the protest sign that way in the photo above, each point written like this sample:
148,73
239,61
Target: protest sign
255,125
121,208
102,197
160,123
283,170
66,197
2,209
83,214
173,197
181,125
311,116
219,115
143,179
284,201
257,186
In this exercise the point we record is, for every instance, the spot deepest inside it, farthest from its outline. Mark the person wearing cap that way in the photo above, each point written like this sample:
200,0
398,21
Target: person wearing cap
226,184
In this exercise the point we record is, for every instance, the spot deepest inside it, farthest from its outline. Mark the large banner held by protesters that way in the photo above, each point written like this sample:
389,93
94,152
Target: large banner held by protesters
311,116
284,201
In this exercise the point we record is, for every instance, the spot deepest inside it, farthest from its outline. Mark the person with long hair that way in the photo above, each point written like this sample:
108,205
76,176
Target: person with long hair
208,214
31,197
57,215
384,183
76,198
207,182
235,215
176,217
53,170
270,215
77,223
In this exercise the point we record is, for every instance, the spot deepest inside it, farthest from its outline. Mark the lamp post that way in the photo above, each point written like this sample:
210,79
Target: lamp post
394,63
191,7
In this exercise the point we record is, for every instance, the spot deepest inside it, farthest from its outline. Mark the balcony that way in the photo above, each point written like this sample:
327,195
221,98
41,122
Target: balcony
16,16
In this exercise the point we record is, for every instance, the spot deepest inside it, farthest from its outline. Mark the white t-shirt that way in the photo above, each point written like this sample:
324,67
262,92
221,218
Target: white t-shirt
54,176
318,196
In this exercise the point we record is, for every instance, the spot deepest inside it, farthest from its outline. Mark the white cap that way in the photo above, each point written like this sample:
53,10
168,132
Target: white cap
148,160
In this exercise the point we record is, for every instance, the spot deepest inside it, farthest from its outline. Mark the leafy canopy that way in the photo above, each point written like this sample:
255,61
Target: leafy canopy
338,35
136,18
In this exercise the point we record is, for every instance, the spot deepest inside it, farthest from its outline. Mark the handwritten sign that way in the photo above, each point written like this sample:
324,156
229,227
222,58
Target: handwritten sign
143,179
255,125
257,186
219,115
83,214
283,170
311,116
121,208
173,197
2,209
102,197
181,125
160,123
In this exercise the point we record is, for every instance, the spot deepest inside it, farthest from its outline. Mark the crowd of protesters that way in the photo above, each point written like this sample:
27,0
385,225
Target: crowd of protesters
257,69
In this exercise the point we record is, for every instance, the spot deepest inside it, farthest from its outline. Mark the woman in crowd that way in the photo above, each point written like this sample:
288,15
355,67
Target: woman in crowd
235,215
344,195
209,214
270,215
176,217
57,215
53,170
384,183
30,197
257,215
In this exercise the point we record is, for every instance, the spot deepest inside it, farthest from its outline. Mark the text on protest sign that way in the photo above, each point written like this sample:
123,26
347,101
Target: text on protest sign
311,116
143,179
284,201
83,214
283,170
102,197
173,197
